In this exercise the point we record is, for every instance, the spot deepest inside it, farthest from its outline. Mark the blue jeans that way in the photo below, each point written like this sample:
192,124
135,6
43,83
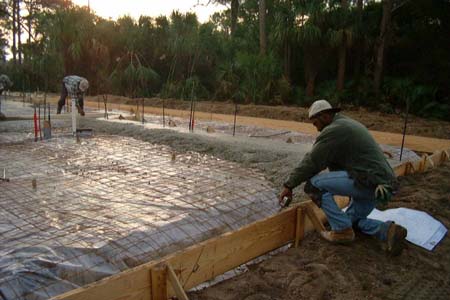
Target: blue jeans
361,205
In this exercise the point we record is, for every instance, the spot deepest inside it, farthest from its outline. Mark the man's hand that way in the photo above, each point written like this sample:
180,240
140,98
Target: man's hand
287,192
383,193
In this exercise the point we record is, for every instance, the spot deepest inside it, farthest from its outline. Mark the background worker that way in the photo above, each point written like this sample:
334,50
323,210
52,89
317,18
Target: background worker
5,83
73,86
357,168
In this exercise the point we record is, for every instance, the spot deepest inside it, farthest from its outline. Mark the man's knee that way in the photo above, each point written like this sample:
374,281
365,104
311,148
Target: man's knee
314,193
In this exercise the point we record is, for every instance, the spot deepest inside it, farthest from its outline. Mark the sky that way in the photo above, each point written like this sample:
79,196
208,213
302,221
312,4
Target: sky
135,8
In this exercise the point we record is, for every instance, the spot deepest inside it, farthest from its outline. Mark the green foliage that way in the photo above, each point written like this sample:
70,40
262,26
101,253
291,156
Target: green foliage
134,78
421,99
191,88
176,56
227,82
258,76
284,89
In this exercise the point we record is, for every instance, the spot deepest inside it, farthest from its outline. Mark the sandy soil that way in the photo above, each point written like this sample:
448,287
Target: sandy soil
374,120
319,270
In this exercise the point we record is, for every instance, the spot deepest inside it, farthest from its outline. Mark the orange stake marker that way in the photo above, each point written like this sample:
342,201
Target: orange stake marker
35,125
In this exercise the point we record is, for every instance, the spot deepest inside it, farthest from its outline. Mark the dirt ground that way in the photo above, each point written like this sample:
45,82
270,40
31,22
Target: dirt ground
374,120
319,270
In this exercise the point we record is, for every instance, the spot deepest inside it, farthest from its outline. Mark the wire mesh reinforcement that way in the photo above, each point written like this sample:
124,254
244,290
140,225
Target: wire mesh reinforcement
73,213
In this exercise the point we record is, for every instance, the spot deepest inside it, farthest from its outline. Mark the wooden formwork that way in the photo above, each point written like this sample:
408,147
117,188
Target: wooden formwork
183,270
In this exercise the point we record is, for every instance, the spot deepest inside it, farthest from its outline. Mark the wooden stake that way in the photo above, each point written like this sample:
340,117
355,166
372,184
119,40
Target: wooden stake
422,163
409,168
300,226
315,220
176,284
159,282
430,162
444,156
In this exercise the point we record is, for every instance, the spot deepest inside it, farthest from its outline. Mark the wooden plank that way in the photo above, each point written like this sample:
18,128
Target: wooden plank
176,285
300,226
436,158
400,170
159,282
422,163
132,284
231,250
201,262
311,213
445,155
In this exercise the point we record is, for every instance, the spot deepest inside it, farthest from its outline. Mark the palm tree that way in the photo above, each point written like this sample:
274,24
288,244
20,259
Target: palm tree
342,55
262,27
234,12
287,30
382,41
312,39
131,76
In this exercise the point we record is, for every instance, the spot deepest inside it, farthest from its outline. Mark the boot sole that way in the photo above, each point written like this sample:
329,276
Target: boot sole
338,241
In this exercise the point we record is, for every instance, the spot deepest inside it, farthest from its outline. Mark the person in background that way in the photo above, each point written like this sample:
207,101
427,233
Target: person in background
357,169
73,86
5,83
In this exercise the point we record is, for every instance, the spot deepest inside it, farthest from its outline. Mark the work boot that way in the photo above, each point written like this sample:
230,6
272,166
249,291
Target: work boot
395,241
80,110
339,236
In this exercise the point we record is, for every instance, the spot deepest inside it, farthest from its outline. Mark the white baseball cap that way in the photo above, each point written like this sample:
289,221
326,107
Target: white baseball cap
84,85
321,106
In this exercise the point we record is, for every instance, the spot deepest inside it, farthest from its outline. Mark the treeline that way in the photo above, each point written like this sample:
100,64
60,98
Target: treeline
384,54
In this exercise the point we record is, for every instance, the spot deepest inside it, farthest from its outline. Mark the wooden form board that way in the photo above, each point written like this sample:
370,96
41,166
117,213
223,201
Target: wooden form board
214,257
201,262
415,143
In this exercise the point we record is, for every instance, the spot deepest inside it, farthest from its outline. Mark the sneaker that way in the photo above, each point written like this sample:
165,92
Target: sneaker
395,239
339,237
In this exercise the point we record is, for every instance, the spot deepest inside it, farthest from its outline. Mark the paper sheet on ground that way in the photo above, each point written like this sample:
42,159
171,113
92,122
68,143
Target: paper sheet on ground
423,229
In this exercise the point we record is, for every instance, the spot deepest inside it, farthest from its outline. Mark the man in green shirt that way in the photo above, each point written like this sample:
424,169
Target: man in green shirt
357,169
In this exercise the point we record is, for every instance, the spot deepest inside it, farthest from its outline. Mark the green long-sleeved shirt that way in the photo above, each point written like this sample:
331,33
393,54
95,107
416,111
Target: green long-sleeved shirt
345,145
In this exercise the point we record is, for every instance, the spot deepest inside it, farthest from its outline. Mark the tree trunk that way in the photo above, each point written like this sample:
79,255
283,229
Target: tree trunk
30,16
311,70
341,66
262,27
382,41
14,31
359,45
234,15
287,60
342,56
19,33
310,85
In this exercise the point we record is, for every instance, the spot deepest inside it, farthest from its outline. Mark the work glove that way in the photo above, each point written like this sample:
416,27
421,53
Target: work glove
383,193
